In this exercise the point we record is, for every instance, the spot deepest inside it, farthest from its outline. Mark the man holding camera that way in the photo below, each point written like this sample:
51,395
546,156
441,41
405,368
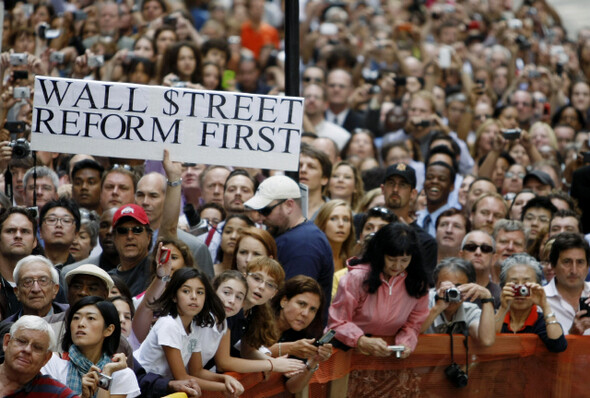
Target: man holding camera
451,303
568,293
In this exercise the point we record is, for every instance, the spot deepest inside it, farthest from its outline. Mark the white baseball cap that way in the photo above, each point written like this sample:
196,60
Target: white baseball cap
273,188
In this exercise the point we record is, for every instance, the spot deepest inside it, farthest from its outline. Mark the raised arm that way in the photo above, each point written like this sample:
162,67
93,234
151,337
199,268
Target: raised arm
172,198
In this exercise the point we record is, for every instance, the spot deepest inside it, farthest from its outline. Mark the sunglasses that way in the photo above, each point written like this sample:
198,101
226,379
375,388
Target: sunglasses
125,230
307,79
265,211
472,247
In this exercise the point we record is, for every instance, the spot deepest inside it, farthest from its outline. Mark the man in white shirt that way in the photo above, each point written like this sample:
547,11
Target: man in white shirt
315,106
569,259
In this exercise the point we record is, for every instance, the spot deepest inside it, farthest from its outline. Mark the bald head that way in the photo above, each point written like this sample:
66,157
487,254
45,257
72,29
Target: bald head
150,194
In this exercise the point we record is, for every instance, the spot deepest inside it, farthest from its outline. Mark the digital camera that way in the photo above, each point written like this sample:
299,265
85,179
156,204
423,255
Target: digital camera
456,375
521,291
452,295
20,148
104,381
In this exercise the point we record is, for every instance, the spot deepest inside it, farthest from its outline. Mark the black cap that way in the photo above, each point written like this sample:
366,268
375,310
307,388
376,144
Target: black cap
541,176
402,170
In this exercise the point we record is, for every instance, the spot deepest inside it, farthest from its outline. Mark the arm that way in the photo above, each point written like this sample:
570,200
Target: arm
297,383
553,329
172,198
483,331
302,348
506,298
210,381
408,334
344,305
487,167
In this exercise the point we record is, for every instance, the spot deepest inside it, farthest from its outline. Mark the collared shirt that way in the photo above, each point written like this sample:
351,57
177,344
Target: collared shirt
564,312
429,224
44,386
466,314
337,118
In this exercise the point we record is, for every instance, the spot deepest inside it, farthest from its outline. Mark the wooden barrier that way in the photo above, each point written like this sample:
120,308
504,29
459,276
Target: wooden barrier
515,366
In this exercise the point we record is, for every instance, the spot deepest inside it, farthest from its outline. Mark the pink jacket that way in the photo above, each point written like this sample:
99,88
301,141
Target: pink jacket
390,311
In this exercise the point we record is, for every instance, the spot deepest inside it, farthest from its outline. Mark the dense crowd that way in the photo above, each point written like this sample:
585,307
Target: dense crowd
446,157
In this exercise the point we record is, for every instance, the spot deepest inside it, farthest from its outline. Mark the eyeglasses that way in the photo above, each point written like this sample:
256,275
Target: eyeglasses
533,217
259,280
35,347
122,166
125,230
43,281
510,174
472,247
380,210
265,211
66,221
308,79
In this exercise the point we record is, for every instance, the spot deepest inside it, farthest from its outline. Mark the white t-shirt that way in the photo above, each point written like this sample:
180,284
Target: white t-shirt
124,380
167,331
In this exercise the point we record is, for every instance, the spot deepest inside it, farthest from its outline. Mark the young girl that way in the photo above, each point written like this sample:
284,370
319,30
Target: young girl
173,346
232,230
253,242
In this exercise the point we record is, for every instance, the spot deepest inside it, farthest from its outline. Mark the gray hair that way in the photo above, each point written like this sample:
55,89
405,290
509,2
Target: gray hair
480,231
33,322
42,171
521,259
90,221
510,226
455,264
35,259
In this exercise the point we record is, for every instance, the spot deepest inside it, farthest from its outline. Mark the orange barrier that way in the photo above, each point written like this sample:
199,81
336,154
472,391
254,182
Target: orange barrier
515,366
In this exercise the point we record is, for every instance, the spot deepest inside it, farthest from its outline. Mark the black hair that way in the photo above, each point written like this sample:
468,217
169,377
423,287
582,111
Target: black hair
566,241
320,156
452,171
121,286
504,155
126,299
212,312
557,116
396,239
87,164
216,43
243,217
538,201
212,205
446,151
110,315
68,204
241,172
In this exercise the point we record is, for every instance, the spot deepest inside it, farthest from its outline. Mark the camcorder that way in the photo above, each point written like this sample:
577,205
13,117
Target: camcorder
452,295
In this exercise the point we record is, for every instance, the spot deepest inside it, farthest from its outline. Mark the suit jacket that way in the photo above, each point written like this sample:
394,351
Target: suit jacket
354,120
581,191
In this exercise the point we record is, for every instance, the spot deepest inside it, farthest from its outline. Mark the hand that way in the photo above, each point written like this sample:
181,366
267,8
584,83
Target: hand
119,362
580,323
473,291
233,387
537,294
286,365
406,353
525,140
324,352
507,295
190,387
162,269
373,346
169,79
89,384
303,348
173,169
498,142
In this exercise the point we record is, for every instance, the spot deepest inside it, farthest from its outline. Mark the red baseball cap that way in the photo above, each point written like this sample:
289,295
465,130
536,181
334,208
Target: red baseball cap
133,211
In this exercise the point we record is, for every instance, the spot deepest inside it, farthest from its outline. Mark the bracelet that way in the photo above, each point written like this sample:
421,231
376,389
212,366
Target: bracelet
271,365
552,322
174,183
487,300
280,349
551,315
316,367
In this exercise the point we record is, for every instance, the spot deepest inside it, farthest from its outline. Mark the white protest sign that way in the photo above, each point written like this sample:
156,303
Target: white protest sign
138,121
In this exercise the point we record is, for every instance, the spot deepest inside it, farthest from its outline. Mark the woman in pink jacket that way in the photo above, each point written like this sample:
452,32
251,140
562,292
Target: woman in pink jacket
385,295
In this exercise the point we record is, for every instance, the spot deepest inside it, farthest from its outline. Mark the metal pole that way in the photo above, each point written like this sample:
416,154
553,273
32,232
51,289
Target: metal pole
292,48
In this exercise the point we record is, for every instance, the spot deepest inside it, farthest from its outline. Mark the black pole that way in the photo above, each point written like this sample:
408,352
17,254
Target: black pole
292,48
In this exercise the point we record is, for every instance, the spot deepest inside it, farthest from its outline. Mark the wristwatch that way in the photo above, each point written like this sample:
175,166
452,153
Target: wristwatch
487,300
174,183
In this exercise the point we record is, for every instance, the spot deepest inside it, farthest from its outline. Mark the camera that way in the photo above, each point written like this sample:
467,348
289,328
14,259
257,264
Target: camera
17,59
104,381
452,295
456,375
168,20
21,92
422,123
96,61
511,134
46,33
15,127
398,349
521,291
57,57
20,148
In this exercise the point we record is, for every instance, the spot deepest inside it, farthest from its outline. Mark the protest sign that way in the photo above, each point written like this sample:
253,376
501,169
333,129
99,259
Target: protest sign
138,121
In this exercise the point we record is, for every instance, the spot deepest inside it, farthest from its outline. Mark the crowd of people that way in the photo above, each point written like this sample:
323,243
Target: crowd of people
446,157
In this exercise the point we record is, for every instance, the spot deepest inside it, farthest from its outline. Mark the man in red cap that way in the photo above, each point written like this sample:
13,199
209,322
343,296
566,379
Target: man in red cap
132,236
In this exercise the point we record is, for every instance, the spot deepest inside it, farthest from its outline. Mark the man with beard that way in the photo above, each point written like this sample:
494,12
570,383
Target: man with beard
399,191
302,246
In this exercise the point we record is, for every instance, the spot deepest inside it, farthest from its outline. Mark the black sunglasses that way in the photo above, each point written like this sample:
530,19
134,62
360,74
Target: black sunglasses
125,230
308,79
472,247
265,211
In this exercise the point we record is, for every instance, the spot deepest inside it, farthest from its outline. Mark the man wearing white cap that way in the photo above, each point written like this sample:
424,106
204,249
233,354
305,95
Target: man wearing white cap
303,249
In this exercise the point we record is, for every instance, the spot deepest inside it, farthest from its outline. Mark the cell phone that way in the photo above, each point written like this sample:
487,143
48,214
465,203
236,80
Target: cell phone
21,92
57,56
228,76
423,123
584,306
400,81
80,15
15,127
164,255
168,20
18,59
104,381
511,134
444,57
20,74
96,61
325,339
